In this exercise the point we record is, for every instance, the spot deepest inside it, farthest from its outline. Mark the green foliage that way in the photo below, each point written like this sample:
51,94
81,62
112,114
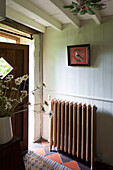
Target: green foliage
95,1
5,68
97,6
90,12
83,12
75,5
75,11
68,6
3,39
85,6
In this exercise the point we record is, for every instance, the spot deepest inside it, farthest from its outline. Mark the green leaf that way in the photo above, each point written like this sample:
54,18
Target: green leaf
89,11
97,6
95,1
68,6
75,5
83,12
87,4
75,11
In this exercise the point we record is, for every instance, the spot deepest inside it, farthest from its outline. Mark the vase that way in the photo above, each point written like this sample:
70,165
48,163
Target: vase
6,133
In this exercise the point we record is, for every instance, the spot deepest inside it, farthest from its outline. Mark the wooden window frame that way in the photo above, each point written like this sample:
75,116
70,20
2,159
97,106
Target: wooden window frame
10,37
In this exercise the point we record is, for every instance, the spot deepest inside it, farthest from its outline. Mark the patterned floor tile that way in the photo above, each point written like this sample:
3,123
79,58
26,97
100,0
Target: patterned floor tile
83,167
47,151
65,158
44,143
55,157
42,147
40,151
72,165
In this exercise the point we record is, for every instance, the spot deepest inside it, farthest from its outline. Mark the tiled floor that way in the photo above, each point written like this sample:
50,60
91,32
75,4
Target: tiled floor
42,147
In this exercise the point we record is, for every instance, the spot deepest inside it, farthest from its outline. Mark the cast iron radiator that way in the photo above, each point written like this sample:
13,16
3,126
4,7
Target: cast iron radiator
72,129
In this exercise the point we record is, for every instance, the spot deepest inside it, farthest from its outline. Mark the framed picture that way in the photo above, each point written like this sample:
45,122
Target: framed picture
79,55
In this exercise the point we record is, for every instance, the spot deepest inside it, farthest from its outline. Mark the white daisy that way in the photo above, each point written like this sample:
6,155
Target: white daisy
24,93
10,76
25,77
18,81
8,105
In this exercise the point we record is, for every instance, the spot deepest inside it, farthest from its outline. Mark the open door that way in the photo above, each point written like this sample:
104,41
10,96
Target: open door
17,56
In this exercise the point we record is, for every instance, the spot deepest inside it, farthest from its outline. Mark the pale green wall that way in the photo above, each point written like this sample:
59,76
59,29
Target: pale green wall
92,84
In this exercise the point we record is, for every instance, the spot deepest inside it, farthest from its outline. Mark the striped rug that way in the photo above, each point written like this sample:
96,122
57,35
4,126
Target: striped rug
34,161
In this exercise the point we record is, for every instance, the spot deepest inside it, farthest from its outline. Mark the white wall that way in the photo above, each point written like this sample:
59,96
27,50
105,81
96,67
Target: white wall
92,84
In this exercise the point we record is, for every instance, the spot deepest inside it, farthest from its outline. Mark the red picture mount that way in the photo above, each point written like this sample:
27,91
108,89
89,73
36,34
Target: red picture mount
79,55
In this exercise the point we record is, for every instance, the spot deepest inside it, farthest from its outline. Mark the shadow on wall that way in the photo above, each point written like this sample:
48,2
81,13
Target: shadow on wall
99,53
95,55
104,137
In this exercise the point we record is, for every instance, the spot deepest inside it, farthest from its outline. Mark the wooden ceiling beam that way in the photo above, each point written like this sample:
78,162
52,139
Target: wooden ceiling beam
74,20
19,26
24,20
97,17
28,6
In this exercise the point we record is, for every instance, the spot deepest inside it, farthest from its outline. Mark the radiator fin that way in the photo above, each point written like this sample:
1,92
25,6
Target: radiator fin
88,133
74,129
66,126
83,145
51,127
62,125
55,123
59,125
79,129
70,127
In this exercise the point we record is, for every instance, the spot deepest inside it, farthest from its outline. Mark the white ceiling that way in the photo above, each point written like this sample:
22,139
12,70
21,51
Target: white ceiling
40,14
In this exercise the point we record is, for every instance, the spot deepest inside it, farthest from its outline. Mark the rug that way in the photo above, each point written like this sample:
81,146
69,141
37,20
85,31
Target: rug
34,161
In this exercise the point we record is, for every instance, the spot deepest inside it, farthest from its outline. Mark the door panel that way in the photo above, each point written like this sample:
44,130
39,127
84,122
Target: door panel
17,56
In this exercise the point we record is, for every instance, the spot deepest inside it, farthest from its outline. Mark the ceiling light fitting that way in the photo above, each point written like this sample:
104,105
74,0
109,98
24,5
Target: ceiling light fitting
85,6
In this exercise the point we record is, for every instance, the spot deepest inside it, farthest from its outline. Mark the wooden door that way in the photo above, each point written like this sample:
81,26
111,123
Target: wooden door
17,56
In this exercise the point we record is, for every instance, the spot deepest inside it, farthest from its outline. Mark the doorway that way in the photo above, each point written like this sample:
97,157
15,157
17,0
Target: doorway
35,78
17,57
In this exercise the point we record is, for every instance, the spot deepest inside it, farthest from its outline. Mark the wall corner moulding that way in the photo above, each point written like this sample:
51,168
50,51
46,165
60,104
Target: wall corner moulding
79,55
2,9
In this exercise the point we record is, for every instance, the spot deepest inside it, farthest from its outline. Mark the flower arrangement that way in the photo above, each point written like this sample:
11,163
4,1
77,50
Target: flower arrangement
12,93
85,6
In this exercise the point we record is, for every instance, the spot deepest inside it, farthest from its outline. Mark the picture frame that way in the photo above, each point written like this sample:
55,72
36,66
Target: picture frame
79,55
